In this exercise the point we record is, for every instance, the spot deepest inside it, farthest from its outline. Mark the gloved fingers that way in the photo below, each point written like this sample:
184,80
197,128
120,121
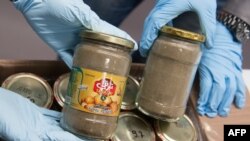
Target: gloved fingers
22,106
23,120
215,96
66,56
208,26
61,135
146,42
51,114
240,96
207,17
231,60
210,62
107,28
19,118
205,88
23,5
224,41
223,35
75,13
21,136
63,20
224,59
159,16
82,13
228,96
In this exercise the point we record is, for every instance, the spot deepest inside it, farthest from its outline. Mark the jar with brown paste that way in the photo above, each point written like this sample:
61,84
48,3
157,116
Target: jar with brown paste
169,74
101,65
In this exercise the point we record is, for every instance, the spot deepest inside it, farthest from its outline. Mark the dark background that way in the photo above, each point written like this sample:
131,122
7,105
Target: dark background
18,40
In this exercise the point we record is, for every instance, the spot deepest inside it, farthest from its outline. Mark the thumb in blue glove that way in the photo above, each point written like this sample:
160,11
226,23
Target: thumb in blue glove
58,23
22,120
220,72
166,10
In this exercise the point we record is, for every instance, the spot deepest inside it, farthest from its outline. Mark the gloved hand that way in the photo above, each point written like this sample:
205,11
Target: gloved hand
220,72
58,23
21,120
166,10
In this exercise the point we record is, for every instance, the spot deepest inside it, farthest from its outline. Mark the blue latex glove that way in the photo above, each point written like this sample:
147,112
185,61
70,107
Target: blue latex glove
21,120
58,23
220,72
166,10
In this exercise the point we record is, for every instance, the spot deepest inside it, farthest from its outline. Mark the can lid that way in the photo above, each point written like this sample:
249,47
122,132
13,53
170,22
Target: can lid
107,38
132,127
32,87
132,88
183,33
60,88
181,130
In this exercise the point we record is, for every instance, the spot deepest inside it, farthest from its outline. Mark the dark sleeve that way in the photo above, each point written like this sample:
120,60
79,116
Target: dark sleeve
220,4
113,11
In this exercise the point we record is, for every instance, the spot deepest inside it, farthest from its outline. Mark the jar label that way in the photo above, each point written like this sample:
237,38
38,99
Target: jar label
95,92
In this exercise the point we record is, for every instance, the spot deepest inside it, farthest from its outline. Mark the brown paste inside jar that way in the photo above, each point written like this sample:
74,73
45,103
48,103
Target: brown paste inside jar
106,59
168,78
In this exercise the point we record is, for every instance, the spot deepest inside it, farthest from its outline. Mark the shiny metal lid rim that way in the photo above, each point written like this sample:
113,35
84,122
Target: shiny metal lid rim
125,106
166,138
57,96
107,38
183,33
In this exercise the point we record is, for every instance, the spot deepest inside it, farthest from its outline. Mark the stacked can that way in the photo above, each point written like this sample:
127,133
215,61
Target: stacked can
31,86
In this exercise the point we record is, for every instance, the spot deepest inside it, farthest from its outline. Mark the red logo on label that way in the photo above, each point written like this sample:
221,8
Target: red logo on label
105,87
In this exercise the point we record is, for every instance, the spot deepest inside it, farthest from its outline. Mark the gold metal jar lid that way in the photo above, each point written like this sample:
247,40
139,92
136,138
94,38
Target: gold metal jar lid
60,88
132,88
32,87
183,33
132,127
181,130
107,38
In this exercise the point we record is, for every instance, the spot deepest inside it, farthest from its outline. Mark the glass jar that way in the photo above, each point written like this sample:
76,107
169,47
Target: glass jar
169,74
101,65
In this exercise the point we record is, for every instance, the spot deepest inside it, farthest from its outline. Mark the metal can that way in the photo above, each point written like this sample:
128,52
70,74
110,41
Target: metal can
97,82
169,73
132,127
31,86
181,130
60,88
132,88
